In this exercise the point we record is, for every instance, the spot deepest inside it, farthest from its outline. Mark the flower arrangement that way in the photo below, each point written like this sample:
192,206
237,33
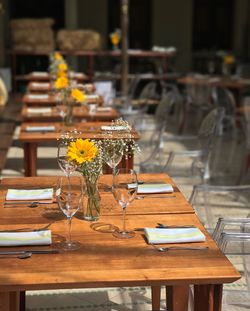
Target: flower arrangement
69,96
115,38
89,157
228,59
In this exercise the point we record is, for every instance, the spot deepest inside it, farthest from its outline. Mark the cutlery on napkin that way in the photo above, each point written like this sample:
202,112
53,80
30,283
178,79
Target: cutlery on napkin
114,128
39,110
154,188
31,128
25,238
173,235
38,96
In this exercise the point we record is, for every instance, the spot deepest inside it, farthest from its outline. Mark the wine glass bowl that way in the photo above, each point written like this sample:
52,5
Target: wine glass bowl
114,158
65,164
69,196
124,189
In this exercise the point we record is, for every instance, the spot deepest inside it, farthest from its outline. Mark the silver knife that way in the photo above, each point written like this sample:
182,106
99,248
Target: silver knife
47,251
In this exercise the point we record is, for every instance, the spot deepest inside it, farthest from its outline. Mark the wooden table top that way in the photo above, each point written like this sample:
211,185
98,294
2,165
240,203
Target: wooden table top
44,76
45,86
89,130
53,114
105,261
173,203
219,81
47,99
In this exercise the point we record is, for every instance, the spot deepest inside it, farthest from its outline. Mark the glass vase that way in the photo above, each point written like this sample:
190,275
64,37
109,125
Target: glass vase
92,206
68,118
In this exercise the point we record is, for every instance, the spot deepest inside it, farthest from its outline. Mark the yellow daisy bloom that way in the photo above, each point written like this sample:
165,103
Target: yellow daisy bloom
61,83
115,38
58,56
78,95
228,59
61,74
82,151
62,67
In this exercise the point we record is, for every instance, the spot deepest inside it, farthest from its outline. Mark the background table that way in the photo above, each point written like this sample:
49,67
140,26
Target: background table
89,130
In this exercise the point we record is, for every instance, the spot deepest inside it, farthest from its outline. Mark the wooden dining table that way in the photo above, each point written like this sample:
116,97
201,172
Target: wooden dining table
236,85
105,261
46,87
80,114
86,130
48,99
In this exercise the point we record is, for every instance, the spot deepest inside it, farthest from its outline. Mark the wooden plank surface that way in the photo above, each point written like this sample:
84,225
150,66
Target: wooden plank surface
177,204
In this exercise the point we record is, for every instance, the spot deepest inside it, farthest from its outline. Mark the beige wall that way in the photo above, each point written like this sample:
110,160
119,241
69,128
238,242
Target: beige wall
93,14
172,26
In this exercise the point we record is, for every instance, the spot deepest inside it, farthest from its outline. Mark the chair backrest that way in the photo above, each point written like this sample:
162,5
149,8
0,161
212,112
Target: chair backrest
170,109
209,127
222,97
149,91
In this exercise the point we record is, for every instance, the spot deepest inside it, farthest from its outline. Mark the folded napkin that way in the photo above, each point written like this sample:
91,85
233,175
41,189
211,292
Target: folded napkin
114,128
38,96
39,110
29,194
178,235
92,97
25,238
39,73
44,128
103,109
155,188
40,84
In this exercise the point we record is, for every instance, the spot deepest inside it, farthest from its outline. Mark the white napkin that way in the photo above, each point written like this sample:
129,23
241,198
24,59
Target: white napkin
114,128
38,96
92,97
40,84
39,110
25,238
44,128
155,188
29,194
39,73
103,109
178,235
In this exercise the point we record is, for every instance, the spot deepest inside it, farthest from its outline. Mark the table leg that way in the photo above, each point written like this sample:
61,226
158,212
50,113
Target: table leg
177,297
30,159
9,301
156,297
208,297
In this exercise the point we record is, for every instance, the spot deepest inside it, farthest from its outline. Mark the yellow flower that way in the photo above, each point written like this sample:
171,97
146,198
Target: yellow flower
62,74
228,59
58,56
82,151
115,38
62,67
61,83
78,95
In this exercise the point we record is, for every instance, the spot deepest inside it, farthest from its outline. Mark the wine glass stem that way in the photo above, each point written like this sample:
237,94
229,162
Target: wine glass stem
124,219
69,225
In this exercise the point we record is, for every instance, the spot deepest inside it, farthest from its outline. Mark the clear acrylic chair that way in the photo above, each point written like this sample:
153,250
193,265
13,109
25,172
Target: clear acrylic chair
152,128
198,154
233,237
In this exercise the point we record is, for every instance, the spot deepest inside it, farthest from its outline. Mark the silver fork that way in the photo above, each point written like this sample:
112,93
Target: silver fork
165,249
141,197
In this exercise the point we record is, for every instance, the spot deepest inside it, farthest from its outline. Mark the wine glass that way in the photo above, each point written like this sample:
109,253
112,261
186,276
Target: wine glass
69,195
66,165
113,158
124,189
